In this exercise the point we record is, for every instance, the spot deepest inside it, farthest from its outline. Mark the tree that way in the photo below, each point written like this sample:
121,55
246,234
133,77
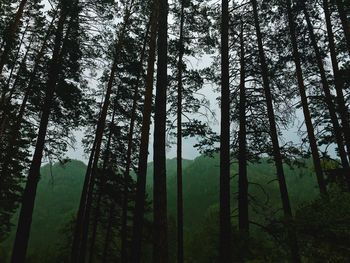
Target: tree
10,35
180,239
139,210
304,102
274,137
28,199
128,161
242,155
225,209
160,245
79,247
17,134
342,109
342,5
328,97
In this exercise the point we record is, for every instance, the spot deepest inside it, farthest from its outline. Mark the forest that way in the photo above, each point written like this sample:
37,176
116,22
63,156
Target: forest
187,131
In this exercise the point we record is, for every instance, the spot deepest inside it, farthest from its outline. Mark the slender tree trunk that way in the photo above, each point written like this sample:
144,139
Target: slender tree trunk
124,234
225,208
140,198
160,239
95,226
100,191
344,21
10,35
19,117
124,226
304,103
243,202
29,88
328,98
180,238
28,199
83,218
77,230
14,132
274,138
108,236
343,110
5,98
13,67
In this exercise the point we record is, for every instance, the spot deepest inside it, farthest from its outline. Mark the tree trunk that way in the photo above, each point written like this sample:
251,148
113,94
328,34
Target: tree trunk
28,199
100,192
344,22
6,86
6,99
77,230
142,165
108,236
274,138
30,82
160,239
10,35
124,234
19,117
304,103
328,98
83,218
225,209
243,202
343,110
180,238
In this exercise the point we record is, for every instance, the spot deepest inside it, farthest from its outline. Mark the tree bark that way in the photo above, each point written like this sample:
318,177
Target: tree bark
160,239
225,209
304,103
100,192
243,218
143,155
180,238
274,138
108,236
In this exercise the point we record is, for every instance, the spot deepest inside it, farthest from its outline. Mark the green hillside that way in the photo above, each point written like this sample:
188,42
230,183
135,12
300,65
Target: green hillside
201,186
60,187
57,200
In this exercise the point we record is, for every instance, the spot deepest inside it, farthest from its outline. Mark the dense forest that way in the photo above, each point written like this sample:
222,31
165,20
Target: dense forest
261,90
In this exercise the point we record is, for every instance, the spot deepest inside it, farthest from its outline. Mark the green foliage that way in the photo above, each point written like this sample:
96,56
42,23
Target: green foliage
323,228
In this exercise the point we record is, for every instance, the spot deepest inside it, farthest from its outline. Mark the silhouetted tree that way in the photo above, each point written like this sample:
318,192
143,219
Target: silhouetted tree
139,210
225,209
274,137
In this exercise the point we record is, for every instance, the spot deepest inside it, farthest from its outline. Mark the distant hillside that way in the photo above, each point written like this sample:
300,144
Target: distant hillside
57,200
60,188
201,187
170,167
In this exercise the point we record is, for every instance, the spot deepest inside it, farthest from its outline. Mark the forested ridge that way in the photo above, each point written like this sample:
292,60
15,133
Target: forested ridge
59,188
260,90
